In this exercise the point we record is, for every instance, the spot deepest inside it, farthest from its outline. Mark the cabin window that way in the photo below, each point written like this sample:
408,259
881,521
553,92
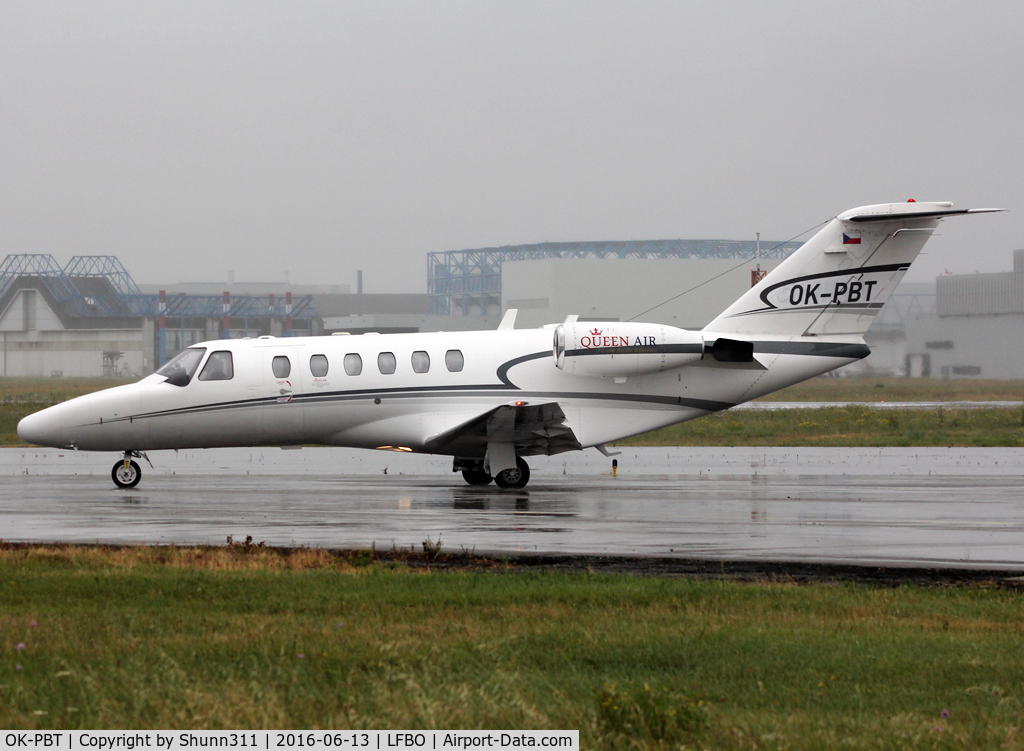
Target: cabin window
420,361
218,368
353,364
386,362
282,366
180,370
453,360
318,365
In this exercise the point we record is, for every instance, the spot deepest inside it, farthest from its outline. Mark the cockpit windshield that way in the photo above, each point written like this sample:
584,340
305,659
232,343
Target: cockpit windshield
180,370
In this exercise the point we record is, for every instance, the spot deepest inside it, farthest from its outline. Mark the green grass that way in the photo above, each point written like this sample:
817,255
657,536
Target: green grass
890,389
166,637
23,396
47,391
845,426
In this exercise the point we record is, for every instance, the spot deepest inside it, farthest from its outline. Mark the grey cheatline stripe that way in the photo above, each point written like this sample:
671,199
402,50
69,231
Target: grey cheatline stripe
815,349
819,349
334,395
848,308
677,401
701,404
503,369
655,349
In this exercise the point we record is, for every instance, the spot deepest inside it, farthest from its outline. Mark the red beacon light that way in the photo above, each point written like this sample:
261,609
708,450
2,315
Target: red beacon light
911,200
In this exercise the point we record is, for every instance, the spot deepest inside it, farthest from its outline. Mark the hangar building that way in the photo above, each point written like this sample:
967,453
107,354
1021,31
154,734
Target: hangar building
89,318
600,280
976,330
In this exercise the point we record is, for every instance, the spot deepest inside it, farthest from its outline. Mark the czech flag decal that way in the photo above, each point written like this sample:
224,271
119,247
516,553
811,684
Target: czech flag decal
851,239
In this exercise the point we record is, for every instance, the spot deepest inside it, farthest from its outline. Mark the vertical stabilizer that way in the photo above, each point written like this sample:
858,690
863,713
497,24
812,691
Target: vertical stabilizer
837,281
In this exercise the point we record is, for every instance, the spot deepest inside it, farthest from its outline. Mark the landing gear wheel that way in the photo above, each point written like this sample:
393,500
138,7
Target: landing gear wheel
514,478
476,477
126,476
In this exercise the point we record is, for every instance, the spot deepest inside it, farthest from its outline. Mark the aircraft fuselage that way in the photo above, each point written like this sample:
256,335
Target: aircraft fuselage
404,409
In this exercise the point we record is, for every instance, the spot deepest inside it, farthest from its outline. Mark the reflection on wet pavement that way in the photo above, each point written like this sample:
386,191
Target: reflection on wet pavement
891,506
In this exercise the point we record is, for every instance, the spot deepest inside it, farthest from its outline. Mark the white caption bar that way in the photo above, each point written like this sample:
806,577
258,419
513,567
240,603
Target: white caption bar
128,740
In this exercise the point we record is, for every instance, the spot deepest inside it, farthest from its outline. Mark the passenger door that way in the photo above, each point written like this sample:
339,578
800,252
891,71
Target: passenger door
283,419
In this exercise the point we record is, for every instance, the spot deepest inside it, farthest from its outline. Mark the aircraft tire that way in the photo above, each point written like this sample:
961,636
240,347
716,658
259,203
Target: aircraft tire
126,478
476,477
514,478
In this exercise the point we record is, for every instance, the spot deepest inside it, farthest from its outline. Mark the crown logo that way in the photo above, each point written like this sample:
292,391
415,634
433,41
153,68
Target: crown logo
595,332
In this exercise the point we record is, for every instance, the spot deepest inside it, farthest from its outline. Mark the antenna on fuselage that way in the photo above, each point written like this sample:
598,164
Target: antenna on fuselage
508,321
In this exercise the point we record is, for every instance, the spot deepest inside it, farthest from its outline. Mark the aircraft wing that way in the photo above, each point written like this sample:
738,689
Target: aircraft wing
533,428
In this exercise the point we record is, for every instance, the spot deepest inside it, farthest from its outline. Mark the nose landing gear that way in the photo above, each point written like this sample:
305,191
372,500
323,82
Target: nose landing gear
126,473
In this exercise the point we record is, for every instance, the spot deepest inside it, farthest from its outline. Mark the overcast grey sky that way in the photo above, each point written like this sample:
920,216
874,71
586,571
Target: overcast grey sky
194,138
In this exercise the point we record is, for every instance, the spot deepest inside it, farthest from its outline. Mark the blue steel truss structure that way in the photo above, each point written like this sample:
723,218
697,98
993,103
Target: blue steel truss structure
461,278
103,267
100,286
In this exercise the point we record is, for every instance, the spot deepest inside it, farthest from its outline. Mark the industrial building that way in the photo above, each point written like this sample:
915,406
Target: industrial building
683,292
338,309
602,280
89,318
976,330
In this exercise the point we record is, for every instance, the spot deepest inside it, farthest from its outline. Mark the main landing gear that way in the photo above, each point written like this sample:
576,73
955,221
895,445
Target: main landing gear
476,477
126,473
512,478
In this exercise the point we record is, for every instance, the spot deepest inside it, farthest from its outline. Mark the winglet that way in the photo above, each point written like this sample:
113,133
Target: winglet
508,321
604,450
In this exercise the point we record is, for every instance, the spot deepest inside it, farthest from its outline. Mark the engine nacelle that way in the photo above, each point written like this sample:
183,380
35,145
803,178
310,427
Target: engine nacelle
623,349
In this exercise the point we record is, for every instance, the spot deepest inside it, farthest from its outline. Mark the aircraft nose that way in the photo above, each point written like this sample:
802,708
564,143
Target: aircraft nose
42,428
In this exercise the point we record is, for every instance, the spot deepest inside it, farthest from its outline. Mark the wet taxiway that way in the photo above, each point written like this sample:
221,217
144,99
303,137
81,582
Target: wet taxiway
932,507
770,406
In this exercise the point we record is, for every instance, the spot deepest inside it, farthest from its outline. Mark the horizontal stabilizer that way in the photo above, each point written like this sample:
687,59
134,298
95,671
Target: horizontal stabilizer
914,215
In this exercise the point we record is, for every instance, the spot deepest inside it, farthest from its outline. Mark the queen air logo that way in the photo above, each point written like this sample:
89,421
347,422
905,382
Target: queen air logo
597,339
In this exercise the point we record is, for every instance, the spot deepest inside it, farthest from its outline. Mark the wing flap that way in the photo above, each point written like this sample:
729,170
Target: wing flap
534,429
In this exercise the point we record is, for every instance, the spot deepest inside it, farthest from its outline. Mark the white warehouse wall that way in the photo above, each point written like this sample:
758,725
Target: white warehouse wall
546,291
71,353
977,346
35,343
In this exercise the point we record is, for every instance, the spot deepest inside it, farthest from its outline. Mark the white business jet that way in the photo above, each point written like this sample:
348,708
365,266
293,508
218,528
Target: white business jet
490,398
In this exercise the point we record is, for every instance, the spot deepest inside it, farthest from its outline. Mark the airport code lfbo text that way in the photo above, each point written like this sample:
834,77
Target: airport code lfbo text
363,739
